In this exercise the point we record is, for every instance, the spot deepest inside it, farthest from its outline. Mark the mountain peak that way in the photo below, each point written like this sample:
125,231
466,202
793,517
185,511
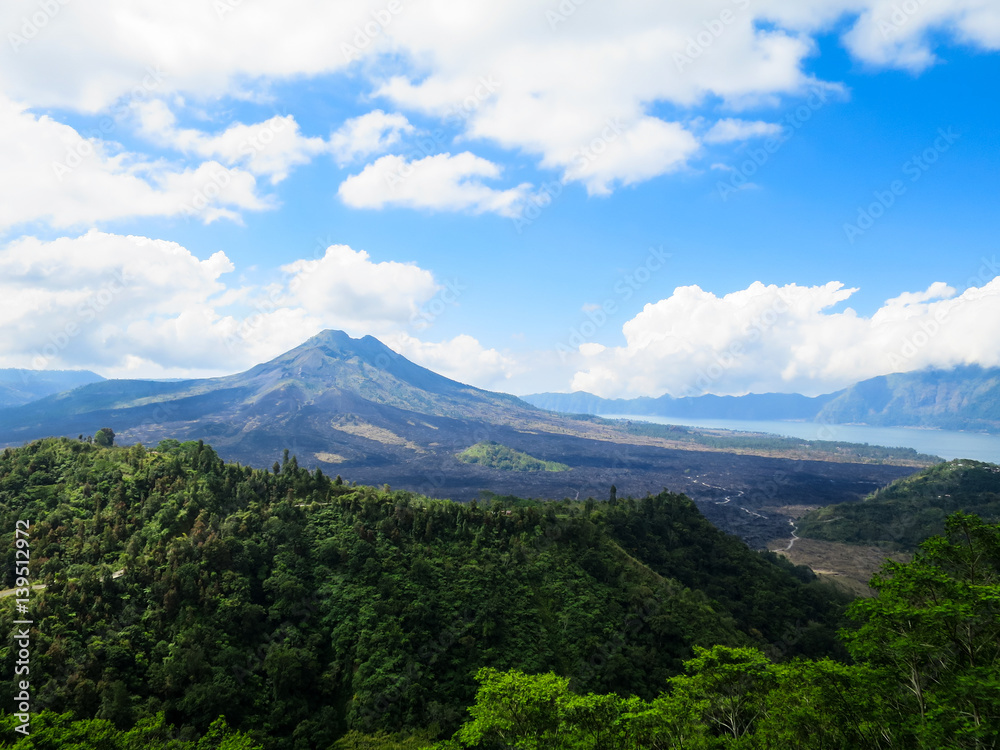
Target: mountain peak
341,345
332,358
329,337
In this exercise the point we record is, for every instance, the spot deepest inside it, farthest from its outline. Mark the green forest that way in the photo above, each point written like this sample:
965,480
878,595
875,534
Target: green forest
193,603
909,510
497,456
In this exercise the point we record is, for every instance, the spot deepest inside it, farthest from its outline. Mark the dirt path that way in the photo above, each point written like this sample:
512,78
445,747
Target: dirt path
791,543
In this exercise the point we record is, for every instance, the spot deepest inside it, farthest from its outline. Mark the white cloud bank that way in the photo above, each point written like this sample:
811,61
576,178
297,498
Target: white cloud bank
52,173
270,148
790,339
544,80
130,306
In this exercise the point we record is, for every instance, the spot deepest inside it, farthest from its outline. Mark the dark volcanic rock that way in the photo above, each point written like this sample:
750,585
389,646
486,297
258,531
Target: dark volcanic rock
356,408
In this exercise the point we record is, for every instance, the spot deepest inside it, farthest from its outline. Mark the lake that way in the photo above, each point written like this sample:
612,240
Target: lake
945,443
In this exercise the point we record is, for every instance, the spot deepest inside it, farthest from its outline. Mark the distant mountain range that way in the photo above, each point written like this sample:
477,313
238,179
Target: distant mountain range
751,406
18,387
356,408
965,398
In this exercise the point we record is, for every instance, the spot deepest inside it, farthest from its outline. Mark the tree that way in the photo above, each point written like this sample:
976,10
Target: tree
104,437
514,709
825,704
935,625
726,687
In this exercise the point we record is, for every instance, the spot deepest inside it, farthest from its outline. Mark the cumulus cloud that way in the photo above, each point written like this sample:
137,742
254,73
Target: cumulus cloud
901,34
135,307
91,300
361,295
461,358
441,182
270,148
649,148
539,81
53,173
100,49
790,339
371,133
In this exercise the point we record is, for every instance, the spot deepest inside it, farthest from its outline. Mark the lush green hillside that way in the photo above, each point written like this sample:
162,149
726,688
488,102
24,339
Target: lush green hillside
926,675
911,509
300,607
497,456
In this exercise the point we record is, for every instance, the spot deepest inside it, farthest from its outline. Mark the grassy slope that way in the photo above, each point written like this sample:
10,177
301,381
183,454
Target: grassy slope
497,456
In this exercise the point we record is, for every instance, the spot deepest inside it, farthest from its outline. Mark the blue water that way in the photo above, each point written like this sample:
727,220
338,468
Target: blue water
978,446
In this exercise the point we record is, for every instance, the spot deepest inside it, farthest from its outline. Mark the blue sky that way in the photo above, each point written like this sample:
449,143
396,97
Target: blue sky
624,198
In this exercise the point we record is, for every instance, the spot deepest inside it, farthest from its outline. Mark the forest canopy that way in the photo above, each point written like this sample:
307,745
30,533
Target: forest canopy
211,602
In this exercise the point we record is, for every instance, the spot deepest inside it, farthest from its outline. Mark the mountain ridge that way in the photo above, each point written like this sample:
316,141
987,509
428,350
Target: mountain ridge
356,408
20,386
964,397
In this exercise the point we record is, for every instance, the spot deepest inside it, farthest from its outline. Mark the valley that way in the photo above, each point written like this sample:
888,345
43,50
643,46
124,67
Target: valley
355,408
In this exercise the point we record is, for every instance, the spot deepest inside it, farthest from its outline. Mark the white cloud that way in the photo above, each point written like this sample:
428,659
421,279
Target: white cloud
371,133
270,148
732,129
462,358
540,80
561,93
135,307
362,296
52,173
441,182
75,301
901,34
87,55
649,148
789,339
590,349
